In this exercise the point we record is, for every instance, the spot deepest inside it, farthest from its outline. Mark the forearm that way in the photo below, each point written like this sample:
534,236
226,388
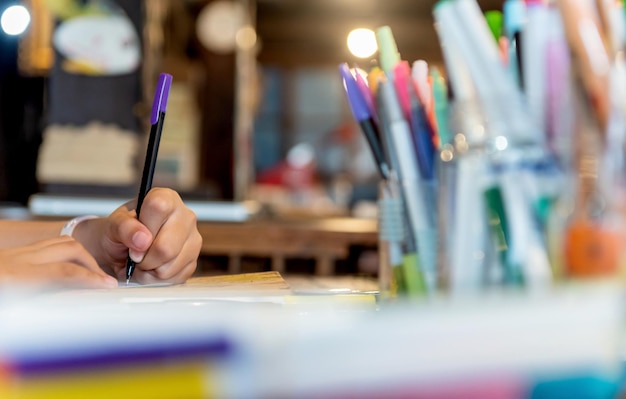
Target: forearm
16,233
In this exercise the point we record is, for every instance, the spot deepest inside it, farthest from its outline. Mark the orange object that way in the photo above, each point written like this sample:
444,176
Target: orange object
504,50
592,250
373,77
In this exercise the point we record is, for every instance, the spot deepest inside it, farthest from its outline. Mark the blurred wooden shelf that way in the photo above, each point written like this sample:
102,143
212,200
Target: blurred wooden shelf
325,240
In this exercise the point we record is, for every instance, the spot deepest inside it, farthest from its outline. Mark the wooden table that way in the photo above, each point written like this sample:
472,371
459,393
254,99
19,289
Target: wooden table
325,240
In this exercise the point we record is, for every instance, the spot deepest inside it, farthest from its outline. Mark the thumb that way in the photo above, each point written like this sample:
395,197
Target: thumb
138,242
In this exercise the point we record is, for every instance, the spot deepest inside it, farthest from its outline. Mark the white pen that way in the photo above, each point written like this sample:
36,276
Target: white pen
421,222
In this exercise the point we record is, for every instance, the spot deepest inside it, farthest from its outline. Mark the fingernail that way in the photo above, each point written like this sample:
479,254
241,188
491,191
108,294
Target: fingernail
141,239
137,257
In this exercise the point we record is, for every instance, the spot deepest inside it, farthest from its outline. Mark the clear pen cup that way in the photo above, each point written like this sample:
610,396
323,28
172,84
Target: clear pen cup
391,236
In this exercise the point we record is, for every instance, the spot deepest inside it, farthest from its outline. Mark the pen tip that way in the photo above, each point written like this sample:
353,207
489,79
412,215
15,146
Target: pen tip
127,281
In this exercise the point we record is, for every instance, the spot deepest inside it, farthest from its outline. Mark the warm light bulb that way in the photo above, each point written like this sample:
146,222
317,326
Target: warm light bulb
15,20
246,37
362,42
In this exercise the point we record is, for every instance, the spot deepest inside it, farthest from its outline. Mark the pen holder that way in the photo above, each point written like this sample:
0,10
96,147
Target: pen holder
462,256
391,235
595,231
409,244
427,236
492,217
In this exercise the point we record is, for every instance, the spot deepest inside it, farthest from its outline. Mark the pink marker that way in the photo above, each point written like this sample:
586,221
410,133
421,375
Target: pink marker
401,80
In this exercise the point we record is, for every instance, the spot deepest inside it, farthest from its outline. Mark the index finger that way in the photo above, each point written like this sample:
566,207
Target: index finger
158,206
71,275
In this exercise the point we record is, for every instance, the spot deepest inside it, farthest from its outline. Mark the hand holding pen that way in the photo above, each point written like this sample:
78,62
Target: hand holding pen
164,242
159,105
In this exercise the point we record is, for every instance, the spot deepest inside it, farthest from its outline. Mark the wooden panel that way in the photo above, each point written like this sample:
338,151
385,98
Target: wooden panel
314,31
324,240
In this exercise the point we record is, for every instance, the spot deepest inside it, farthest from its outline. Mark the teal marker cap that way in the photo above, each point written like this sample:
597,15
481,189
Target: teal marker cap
440,97
514,16
387,49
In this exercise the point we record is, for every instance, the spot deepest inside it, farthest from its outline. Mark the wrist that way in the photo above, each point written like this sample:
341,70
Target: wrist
88,231
70,226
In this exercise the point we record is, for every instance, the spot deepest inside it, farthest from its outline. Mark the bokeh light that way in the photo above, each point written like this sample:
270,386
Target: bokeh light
362,42
15,20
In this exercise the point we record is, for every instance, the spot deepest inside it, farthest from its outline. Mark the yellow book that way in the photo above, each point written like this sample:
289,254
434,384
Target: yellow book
187,380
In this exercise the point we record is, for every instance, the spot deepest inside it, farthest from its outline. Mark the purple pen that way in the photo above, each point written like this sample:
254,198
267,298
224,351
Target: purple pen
120,355
558,96
157,117
362,115
366,94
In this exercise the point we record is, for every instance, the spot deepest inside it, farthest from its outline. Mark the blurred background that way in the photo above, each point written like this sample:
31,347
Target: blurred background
257,110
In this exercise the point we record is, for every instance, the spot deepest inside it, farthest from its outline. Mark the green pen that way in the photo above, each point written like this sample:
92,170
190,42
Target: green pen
409,276
500,236
413,278
494,20
387,50
440,99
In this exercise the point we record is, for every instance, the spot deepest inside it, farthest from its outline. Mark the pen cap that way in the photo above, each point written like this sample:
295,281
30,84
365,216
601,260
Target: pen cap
402,80
356,101
540,20
514,17
458,75
502,102
389,55
161,93
440,104
419,73
373,77
494,20
465,115
468,116
365,91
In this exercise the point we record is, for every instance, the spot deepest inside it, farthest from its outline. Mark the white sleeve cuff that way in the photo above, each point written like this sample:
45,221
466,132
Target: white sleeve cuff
69,227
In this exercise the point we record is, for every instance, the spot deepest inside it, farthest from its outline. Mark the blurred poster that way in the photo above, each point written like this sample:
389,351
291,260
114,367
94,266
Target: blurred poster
93,126
96,75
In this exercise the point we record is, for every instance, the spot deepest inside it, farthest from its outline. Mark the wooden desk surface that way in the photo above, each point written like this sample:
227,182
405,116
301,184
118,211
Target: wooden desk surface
325,240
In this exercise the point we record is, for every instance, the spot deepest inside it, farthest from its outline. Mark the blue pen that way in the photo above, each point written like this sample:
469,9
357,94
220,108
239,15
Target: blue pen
514,12
415,114
423,134
363,116
156,120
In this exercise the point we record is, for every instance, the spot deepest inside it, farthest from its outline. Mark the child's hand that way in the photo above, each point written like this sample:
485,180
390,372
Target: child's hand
164,242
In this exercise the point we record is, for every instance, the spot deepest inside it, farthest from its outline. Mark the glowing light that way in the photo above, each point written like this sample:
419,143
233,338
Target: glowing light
246,37
15,20
501,143
362,42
